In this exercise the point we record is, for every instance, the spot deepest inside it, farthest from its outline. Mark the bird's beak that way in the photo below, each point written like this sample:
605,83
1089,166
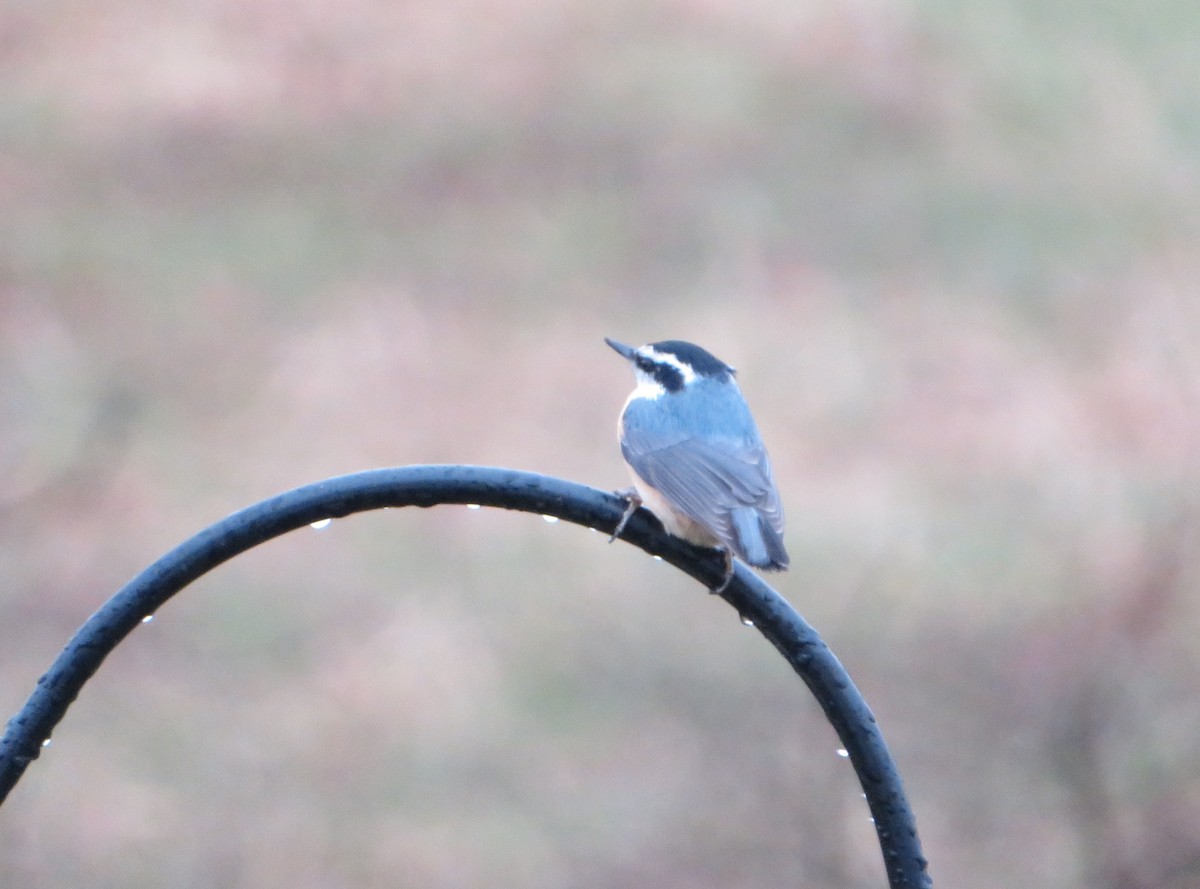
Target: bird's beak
621,349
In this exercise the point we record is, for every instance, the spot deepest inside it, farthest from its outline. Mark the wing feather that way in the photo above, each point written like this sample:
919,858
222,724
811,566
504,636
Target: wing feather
708,480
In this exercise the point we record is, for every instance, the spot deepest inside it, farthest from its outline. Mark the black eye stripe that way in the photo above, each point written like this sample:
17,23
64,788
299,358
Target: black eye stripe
662,372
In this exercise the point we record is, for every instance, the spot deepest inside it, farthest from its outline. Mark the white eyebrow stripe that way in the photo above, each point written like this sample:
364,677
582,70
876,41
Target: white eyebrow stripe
689,375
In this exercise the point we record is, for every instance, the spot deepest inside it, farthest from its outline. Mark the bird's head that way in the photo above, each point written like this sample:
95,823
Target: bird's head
671,366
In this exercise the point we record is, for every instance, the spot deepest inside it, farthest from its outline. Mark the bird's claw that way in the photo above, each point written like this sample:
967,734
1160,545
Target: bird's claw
717,590
634,502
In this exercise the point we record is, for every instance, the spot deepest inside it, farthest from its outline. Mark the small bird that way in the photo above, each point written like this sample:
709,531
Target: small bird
696,457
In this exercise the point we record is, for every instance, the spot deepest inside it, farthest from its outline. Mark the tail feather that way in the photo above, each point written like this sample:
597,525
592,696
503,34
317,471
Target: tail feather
756,541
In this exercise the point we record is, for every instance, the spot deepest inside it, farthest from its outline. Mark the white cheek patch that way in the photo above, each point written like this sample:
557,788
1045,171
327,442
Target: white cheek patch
647,387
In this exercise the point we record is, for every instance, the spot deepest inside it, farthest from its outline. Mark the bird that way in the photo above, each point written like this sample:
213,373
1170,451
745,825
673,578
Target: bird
696,456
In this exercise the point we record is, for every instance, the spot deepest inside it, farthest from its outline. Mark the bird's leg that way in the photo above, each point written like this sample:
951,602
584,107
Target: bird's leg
630,495
717,590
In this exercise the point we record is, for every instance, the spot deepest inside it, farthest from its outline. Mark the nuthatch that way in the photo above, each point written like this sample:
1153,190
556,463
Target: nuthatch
696,457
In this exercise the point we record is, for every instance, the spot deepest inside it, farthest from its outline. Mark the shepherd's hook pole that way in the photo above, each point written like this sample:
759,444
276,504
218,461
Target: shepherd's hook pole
426,486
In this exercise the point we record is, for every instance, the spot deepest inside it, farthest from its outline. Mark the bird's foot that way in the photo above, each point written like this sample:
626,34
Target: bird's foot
630,495
717,590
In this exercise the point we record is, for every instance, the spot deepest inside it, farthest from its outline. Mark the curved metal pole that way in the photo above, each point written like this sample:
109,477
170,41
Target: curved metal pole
509,489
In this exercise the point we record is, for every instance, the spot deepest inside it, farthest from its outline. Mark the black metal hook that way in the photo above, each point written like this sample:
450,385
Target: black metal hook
427,486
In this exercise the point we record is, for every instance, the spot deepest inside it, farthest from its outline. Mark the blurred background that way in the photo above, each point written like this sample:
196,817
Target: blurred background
952,250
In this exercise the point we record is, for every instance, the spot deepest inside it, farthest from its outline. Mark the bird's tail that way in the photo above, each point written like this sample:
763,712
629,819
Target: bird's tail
756,541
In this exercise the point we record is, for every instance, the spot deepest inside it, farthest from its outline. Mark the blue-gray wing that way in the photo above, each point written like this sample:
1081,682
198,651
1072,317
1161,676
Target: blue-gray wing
725,484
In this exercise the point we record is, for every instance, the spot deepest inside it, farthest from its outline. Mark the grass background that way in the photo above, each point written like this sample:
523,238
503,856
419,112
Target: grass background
951,249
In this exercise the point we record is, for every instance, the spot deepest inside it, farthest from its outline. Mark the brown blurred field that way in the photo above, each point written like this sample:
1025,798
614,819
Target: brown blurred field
953,251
